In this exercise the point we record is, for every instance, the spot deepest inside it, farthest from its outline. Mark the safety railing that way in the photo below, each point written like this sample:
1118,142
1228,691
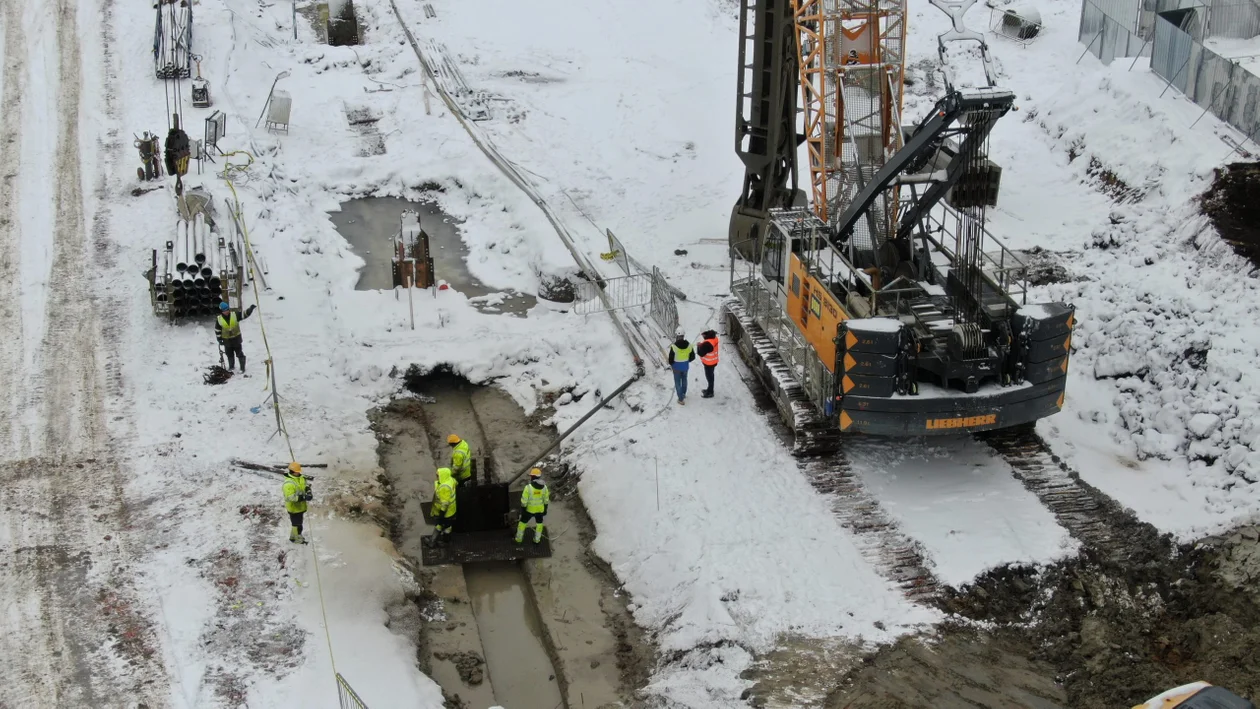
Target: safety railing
1001,267
623,292
798,355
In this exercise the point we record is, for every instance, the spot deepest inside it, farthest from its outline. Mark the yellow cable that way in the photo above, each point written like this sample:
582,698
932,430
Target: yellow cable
275,398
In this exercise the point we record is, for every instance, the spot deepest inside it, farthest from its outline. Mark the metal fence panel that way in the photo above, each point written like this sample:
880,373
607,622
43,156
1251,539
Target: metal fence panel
618,250
1235,20
1223,87
664,308
623,292
1109,36
346,695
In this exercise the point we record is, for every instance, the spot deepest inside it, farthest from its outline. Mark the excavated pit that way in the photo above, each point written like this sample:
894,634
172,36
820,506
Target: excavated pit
1085,633
369,225
1232,206
541,633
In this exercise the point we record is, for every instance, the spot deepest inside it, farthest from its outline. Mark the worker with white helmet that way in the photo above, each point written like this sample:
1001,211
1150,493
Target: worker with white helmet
681,353
534,501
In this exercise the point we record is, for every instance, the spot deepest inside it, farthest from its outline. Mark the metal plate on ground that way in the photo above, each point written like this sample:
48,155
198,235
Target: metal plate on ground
426,508
494,545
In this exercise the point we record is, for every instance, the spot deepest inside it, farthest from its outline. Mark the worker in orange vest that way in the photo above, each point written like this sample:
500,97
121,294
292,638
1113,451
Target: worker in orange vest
708,351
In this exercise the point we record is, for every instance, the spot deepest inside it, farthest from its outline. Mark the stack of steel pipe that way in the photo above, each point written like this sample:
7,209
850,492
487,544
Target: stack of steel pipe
193,265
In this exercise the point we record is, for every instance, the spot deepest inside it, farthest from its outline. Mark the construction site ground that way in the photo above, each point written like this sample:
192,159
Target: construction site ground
588,642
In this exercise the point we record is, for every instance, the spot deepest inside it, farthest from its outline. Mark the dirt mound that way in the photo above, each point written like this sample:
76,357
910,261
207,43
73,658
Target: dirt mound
1232,206
1121,634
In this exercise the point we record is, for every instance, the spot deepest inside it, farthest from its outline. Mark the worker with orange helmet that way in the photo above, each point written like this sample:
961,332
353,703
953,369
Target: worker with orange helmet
297,492
534,501
461,459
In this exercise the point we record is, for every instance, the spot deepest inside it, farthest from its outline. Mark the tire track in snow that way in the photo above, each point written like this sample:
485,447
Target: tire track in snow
14,68
79,638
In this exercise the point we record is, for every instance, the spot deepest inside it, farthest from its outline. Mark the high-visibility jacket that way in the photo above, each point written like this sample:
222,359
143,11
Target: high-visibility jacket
229,327
294,490
461,461
711,359
680,357
444,494
534,499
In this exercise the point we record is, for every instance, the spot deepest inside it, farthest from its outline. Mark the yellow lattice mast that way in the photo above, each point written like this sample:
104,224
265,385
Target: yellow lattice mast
851,57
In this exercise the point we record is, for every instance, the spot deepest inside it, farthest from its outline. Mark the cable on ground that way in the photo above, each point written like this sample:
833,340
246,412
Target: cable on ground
275,397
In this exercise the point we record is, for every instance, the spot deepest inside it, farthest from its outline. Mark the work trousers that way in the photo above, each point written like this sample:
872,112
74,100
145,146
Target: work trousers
232,348
708,376
295,519
680,383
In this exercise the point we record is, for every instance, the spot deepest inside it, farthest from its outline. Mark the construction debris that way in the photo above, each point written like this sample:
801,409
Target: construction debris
216,375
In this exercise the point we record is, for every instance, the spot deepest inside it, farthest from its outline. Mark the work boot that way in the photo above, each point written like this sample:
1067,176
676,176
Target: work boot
538,532
293,534
520,532
301,539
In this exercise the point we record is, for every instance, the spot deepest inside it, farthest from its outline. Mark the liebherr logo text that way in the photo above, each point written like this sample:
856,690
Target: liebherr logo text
961,422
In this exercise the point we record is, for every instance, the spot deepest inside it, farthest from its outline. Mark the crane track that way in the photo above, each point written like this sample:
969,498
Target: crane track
896,556
1104,527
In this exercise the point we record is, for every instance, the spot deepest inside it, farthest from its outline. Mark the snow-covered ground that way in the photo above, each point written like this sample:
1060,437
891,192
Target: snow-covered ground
621,115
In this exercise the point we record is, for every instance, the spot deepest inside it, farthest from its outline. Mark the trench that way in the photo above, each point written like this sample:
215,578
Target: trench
369,225
496,633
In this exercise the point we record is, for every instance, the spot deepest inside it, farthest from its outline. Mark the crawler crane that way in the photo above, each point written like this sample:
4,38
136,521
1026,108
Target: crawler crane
879,303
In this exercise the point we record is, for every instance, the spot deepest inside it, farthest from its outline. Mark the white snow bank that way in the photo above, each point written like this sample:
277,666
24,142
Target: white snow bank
960,501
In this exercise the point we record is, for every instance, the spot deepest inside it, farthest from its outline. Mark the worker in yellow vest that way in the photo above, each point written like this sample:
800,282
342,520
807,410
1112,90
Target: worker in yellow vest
534,500
296,494
227,329
443,506
708,351
461,459
681,354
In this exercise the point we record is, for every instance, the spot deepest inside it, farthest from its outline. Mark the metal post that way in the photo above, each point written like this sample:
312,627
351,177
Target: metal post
1091,42
1211,102
410,283
294,20
658,483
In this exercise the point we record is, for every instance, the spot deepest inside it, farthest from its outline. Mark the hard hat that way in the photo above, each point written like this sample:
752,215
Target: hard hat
679,332
534,472
452,439
223,306
294,467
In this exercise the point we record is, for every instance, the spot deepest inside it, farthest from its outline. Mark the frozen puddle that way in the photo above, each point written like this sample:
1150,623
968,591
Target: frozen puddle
511,633
370,223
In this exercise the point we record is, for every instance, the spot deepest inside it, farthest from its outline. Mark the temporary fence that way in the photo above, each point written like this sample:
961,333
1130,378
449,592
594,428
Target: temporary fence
638,288
664,308
1109,29
346,695
623,292
1225,87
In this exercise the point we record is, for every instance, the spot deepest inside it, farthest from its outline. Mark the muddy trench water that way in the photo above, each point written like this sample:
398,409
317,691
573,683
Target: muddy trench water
521,637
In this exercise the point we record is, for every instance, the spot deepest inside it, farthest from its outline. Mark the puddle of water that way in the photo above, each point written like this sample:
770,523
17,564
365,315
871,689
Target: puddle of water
511,634
370,223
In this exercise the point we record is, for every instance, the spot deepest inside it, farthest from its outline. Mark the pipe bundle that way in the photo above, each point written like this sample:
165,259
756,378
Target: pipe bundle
193,271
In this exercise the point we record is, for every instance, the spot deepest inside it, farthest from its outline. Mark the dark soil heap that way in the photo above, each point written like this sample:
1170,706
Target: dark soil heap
1118,634
1233,205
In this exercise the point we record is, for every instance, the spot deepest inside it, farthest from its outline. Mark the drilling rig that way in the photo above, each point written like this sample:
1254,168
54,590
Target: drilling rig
879,303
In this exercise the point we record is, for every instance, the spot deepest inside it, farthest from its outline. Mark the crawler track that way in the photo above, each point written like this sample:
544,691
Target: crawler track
1105,528
897,557
891,553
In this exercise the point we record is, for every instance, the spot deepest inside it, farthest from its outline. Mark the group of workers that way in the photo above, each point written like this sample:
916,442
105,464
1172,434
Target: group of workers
682,354
535,498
